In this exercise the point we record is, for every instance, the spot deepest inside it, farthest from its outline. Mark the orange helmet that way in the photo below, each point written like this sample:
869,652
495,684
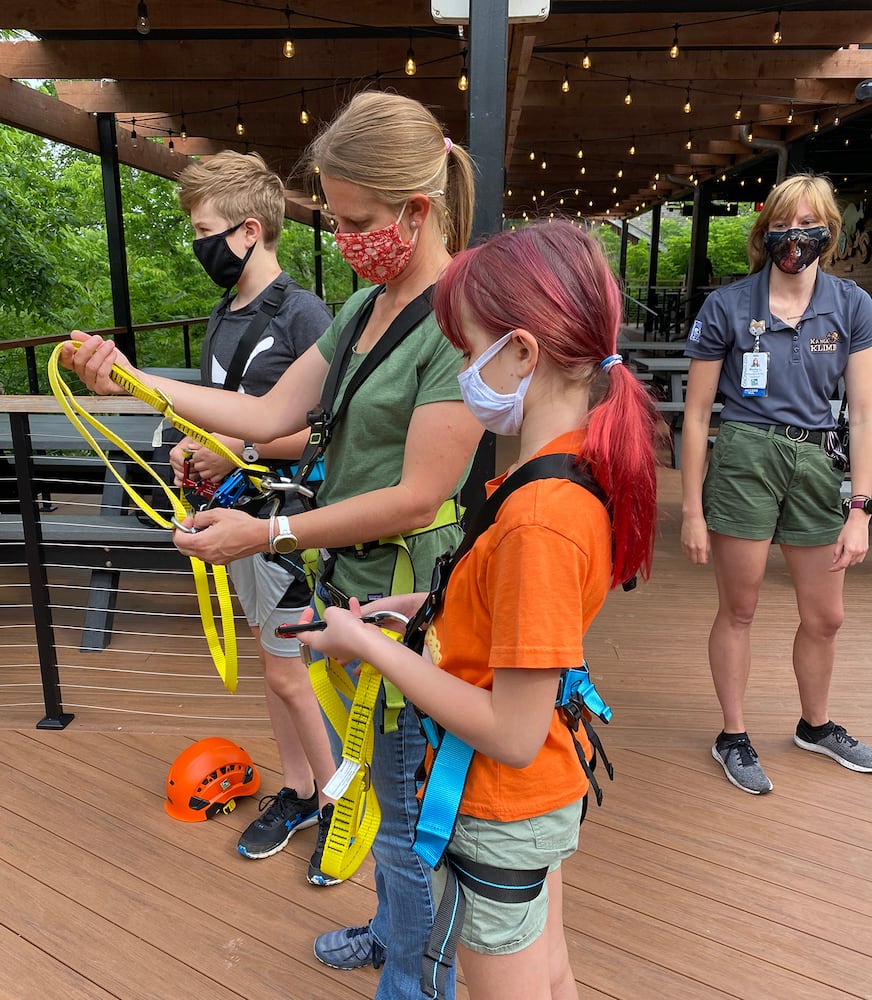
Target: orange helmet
207,777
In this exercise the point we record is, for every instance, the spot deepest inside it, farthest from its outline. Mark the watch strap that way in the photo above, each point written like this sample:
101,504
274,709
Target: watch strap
860,502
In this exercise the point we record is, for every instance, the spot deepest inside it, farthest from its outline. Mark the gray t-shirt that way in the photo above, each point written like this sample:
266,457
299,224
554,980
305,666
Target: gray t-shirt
805,362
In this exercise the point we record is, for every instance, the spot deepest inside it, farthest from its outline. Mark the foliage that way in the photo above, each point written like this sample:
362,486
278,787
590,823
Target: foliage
54,263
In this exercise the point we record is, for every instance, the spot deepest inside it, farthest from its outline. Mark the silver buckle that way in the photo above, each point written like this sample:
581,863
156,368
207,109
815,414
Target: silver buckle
801,433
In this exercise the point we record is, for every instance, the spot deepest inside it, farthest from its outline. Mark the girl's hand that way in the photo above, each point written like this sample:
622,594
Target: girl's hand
93,361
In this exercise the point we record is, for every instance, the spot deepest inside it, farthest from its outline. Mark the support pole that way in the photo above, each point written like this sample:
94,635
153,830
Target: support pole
115,233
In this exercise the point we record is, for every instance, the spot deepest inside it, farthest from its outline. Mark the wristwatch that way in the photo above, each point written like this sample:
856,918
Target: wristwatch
861,503
250,453
282,540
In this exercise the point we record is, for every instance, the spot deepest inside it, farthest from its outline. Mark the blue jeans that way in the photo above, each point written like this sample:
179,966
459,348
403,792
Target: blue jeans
406,906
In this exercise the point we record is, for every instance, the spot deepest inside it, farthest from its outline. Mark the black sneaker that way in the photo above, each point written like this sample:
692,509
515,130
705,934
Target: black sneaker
349,948
316,876
281,816
832,741
733,751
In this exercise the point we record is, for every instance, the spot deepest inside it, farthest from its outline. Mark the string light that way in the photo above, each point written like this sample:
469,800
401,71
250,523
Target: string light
689,143
183,131
750,131
790,114
532,154
411,67
133,135
673,51
565,85
305,117
544,164
580,153
143,25
817,122
240,124
585,59
688,107
737,114
463,79
628,97
620,173
171,146
776,33
632,149
837,117
288,49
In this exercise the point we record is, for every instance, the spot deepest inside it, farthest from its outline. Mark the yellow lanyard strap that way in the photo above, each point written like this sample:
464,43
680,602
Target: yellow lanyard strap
226,659
356,814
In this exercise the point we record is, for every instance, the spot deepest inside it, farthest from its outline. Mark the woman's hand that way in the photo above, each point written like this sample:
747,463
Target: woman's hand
93,361
695,542
852,543
220,536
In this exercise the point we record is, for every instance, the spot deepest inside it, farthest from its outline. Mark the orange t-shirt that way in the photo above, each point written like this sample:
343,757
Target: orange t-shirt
524,596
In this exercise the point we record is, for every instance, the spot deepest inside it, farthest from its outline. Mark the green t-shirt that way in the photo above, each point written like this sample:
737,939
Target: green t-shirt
368,446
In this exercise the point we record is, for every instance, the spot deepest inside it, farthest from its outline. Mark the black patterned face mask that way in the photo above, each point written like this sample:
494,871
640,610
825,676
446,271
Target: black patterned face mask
792,250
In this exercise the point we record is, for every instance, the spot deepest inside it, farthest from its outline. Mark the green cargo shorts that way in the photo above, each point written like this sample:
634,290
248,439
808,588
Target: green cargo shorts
760,485
495,928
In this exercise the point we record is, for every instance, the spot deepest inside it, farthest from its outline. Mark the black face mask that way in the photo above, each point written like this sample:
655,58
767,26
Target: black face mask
792,250
218,260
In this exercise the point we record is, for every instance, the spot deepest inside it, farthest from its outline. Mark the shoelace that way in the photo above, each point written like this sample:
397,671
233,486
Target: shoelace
377,952
747,754
276,808
841,735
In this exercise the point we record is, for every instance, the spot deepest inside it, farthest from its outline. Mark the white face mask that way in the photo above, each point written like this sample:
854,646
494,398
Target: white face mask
495,411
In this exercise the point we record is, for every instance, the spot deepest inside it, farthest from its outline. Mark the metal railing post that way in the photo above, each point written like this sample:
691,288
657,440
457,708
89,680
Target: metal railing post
55,716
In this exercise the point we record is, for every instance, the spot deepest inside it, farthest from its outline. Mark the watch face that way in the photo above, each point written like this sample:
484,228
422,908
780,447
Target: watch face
285,544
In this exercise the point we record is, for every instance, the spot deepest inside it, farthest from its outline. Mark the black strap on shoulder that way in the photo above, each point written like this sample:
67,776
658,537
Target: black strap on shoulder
324,417
556,466
272,300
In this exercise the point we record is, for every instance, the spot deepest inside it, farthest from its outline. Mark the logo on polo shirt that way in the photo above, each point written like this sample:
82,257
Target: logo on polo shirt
827,344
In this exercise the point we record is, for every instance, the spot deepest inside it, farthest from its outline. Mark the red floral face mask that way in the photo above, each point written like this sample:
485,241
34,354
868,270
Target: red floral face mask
379,255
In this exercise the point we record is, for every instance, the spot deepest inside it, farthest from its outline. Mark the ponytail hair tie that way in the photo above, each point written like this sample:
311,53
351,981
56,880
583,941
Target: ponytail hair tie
608,363
449,145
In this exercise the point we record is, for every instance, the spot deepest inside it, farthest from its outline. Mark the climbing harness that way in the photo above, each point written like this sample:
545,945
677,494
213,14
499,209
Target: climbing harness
260,481
577,702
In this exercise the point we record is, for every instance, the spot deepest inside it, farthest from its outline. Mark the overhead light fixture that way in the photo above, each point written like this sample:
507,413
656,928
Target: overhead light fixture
463,79
737,114
183,131
171,146
689,143
632,149
790,114
750,133
240,124
673,51
532,154
143,26
688,107
580,153
837,117
305,117
816,127
776,33
411,67
133,135
628,97
288,48
585,59
565,85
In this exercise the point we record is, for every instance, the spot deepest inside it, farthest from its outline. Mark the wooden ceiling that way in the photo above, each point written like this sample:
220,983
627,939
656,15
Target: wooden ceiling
207,64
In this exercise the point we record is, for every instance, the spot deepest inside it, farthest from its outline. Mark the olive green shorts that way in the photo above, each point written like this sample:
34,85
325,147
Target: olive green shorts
760,485
497,928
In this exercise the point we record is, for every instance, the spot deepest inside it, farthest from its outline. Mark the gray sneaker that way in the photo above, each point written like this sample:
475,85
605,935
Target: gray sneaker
349,948
738,758
835,743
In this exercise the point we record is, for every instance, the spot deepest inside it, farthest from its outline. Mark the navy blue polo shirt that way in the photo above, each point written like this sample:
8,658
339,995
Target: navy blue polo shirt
805,363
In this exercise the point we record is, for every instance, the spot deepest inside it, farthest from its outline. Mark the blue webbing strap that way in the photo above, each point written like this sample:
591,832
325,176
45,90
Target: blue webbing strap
442,797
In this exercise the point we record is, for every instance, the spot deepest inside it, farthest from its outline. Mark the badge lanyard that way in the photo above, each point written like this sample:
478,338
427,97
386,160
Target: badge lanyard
755,364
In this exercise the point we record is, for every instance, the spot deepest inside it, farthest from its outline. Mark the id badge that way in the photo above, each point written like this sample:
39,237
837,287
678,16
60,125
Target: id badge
755,373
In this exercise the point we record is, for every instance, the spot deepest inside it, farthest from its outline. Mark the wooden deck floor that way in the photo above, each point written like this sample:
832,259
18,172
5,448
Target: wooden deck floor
682,888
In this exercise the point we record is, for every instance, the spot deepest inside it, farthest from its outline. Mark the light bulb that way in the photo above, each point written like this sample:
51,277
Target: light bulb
411,68
688,107
776,33
304,115
240,126
673,51
628,97
737,114
183,131
133,135
463,79
288,50
565,85
143,25
632,149
585,59
580,153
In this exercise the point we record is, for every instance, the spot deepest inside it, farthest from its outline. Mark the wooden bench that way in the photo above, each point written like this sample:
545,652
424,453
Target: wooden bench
106,542
673,414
